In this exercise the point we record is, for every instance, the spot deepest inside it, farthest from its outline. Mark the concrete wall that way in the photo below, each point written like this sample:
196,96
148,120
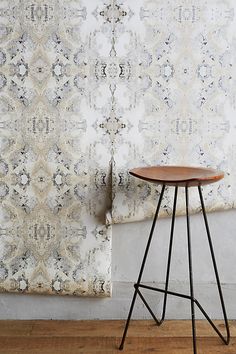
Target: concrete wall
128,243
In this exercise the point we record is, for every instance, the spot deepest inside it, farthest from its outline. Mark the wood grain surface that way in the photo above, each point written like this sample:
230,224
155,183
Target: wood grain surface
103,337
177,175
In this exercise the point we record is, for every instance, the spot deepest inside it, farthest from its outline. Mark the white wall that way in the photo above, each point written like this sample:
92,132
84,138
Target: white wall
128,243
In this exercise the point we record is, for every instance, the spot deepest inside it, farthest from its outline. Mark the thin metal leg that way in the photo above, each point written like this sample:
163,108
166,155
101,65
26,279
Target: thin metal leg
142,268
169,255
226,341
190,272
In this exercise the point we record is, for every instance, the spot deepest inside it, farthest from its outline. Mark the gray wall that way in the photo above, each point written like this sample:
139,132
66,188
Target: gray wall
128,244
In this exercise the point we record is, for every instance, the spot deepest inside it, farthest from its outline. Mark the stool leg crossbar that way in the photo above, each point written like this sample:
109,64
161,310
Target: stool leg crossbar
165,291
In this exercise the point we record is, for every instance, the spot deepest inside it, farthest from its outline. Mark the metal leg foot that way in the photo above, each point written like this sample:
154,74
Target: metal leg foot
227,339
142,269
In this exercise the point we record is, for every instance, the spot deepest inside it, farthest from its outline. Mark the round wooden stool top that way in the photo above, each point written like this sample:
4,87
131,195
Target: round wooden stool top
177,175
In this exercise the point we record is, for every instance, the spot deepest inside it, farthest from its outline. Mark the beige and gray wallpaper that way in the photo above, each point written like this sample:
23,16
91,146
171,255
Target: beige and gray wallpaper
55,162
176,104
88,90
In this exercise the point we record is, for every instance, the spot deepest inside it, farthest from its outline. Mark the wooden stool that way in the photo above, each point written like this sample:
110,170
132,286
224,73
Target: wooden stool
186,177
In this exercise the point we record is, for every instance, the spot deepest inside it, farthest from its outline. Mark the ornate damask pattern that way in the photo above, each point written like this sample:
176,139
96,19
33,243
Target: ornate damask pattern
55,163
88,90
178,103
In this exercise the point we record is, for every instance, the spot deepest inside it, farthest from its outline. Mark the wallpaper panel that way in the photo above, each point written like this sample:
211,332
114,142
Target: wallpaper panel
177,105
55,162
88,90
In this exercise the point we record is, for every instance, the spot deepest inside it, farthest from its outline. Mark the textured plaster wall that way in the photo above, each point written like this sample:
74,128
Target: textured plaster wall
128,241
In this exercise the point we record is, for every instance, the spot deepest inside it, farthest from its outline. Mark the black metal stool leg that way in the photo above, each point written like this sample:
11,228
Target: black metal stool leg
142,269
169,255
226,341
190,272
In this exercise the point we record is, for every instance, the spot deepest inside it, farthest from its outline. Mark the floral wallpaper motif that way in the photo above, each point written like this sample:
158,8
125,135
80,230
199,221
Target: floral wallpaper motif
88,90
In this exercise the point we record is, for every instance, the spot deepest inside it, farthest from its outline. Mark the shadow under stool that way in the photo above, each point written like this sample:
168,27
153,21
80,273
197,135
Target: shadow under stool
186,177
